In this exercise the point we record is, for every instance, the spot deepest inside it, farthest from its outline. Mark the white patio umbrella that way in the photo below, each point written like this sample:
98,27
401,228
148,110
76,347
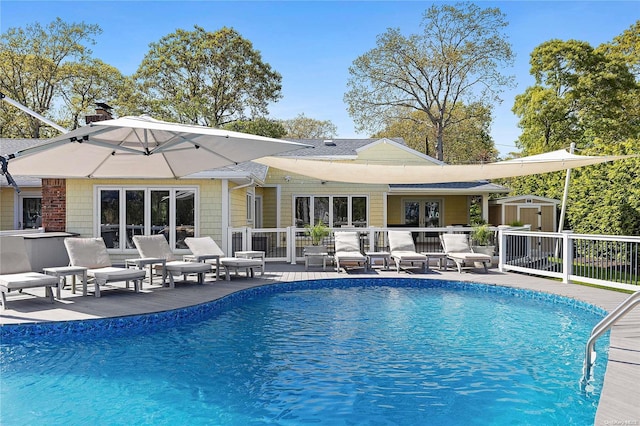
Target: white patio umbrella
141,147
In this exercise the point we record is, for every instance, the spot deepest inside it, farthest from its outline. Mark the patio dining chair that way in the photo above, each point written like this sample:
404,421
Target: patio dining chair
156,246
15,270
92,254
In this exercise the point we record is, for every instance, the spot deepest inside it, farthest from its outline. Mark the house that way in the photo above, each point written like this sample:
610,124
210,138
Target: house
245,195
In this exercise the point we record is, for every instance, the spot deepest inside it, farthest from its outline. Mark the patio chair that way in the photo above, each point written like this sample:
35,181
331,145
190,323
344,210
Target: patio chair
348,251
15,270
206,249
403,251
92,254
156,246
457,249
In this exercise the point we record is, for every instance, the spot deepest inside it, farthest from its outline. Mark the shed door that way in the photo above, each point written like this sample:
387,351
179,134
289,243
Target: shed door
530,216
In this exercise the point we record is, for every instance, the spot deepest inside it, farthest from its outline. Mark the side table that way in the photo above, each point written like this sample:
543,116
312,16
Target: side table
253,254
372,256
442,258
140,263
194,258
63,271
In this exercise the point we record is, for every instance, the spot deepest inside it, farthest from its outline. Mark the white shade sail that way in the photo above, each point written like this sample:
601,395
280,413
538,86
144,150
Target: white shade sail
433,173
142,147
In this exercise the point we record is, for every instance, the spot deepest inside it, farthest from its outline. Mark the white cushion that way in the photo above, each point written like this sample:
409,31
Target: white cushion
408,256
347,242
238,262
155,246
13,255
27,280
203,246
401,241
87,252
110,274
456,243
470,257
180,268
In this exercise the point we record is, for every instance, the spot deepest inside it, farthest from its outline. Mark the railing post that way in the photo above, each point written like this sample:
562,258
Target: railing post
567,256
502,247
291,244
372,239
246,240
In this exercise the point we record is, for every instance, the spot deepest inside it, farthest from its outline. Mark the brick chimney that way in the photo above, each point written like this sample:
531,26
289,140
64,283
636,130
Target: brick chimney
103,112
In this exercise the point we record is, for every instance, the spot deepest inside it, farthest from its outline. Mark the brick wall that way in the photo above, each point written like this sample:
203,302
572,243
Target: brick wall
54,205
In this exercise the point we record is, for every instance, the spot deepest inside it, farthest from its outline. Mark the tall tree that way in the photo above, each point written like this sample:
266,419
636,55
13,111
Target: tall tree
467,141
206,78
88,83
588,96
302,127
456,60
33,62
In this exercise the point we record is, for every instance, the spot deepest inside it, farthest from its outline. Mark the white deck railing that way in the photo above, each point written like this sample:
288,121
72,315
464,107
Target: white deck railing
605,260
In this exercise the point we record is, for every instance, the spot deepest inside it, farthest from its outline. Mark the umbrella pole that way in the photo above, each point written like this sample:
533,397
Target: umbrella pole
565,196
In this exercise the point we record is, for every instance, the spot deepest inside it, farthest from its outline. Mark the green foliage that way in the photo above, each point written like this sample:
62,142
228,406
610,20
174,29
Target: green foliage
260,126
456,59
481,234
591,97
317,232
303,127
34,63
468,140
212,79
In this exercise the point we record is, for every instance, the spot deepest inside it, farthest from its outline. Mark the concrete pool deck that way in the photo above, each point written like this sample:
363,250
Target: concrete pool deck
620,395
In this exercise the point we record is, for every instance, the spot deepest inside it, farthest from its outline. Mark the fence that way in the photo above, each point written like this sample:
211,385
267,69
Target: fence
605,260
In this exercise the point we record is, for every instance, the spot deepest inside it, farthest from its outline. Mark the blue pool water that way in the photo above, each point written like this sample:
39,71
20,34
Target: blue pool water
324,352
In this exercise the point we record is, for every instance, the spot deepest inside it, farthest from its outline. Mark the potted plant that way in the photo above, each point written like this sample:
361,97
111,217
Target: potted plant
317,232
316,253
481,238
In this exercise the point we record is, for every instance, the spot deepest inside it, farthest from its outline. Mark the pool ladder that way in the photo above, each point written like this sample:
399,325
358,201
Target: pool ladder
601,328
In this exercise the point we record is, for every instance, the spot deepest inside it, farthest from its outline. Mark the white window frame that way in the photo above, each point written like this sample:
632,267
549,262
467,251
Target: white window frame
331,224
173,190
19,205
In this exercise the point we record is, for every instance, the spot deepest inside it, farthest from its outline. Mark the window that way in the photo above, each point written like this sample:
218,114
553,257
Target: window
332,211
126,212
250,207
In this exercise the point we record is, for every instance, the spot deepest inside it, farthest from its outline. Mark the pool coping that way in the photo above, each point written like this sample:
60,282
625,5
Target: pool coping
619,393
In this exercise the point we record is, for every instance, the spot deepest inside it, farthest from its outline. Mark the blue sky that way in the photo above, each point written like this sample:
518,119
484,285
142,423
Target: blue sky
312,44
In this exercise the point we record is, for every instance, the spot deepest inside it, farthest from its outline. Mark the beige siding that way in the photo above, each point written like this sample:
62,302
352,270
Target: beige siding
81,209
510,214
269,207
298,185
7,203
389,153
237,207
548,224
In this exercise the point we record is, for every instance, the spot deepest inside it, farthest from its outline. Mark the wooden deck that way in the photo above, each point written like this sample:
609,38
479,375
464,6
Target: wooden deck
620,395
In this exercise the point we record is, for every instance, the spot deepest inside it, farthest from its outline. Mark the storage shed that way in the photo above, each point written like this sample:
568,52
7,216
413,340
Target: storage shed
539,212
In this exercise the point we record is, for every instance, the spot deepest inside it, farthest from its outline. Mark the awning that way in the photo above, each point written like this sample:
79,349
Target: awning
432,173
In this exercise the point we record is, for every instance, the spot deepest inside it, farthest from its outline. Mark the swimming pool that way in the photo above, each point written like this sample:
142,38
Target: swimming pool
383,351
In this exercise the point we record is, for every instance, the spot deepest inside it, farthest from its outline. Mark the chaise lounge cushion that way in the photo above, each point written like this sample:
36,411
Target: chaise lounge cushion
88,252
27,280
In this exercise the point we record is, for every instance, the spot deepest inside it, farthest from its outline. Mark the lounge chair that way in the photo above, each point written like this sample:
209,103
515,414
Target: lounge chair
403,251
15,270
156,246
457,248
206,249
348,251
92,254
